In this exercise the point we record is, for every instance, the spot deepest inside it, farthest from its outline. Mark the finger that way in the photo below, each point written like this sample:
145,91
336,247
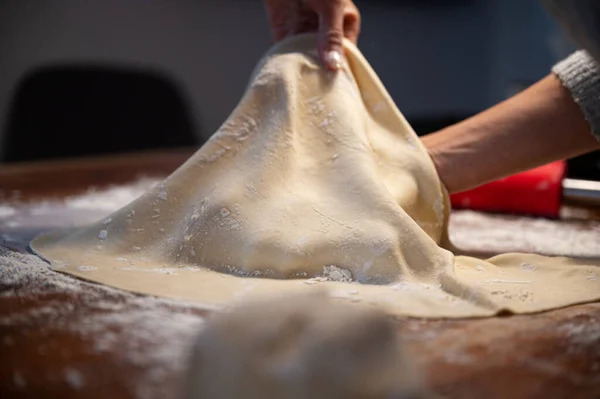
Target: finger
278,20
351,23
305,22
288,18
331,33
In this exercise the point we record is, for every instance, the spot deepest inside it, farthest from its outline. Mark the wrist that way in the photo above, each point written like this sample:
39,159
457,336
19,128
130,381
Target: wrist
445,157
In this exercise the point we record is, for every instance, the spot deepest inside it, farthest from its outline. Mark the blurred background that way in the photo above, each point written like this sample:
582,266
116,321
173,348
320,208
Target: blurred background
96,77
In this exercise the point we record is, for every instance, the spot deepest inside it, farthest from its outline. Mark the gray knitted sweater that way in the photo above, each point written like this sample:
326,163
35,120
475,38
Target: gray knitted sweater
580,74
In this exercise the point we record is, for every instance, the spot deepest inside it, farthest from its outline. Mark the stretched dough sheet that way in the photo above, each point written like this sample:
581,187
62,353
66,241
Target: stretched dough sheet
315,182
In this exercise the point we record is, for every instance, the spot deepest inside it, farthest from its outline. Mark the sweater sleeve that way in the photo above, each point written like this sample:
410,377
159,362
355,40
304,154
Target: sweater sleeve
580,74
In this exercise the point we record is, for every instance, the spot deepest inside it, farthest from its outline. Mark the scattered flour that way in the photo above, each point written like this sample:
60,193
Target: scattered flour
149,335
581,336
125,325
90,207
334,273
438,208
498,281
474,231
86,268
6,211
113,198
527,267
331,273
162,195
74,378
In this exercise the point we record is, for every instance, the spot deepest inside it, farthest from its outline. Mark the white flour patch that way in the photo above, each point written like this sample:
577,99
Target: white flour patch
216,154
113,198
473,231
581,337
90,207
527,267
331,273
74,378
160,270
334,273
148,334
498,281
6,211
438,209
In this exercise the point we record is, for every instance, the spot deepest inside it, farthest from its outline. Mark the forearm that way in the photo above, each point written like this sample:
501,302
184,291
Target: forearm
537,126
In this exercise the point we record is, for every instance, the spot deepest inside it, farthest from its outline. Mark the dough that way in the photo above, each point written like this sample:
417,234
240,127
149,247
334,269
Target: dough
316,181
301,347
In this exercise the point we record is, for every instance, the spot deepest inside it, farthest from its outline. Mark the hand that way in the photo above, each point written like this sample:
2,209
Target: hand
332,19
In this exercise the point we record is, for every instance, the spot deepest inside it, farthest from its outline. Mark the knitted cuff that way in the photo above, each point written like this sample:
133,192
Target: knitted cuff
580,74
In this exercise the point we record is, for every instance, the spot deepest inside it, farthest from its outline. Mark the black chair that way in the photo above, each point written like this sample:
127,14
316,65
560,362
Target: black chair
72,111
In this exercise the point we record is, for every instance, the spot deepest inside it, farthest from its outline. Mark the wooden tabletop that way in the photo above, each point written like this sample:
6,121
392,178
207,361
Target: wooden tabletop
61,337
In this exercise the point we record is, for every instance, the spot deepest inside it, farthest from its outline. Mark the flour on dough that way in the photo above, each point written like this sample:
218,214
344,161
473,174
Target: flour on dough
312,169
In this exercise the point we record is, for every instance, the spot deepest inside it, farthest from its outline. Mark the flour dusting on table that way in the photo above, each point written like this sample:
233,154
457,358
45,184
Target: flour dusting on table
122,325
125,325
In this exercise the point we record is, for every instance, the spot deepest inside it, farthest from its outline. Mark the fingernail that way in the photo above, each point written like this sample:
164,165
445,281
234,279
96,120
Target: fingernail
333,59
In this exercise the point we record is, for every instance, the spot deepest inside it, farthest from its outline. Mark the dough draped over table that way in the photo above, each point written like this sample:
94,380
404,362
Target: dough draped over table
315,181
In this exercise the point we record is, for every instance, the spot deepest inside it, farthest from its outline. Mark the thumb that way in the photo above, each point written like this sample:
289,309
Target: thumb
331,35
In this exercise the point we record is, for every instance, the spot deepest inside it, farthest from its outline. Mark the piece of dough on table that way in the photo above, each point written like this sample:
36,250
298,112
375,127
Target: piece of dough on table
305,346
316,181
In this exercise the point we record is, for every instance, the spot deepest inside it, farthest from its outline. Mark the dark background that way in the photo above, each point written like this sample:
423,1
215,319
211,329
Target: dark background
94,77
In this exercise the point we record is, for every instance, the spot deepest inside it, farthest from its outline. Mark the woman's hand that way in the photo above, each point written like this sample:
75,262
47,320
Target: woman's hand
332,19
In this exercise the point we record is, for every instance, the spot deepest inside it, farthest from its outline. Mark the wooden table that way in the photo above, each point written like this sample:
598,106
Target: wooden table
67,338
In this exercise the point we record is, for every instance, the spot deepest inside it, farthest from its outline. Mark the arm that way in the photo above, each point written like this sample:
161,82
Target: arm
539,125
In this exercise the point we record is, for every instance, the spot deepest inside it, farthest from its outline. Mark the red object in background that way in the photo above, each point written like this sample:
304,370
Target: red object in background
533,192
